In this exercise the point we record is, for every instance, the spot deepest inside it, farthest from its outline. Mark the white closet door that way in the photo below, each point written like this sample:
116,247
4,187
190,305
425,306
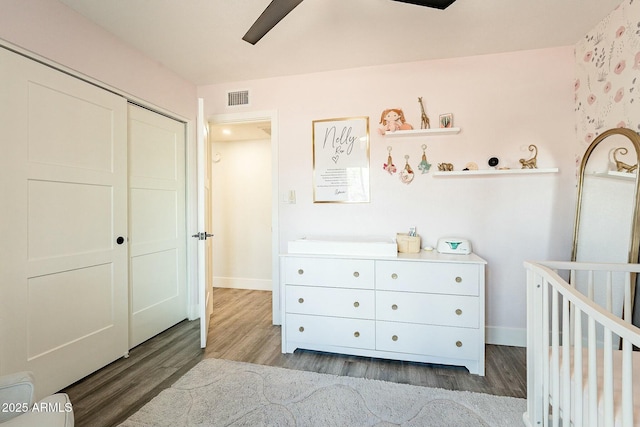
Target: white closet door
63,305
157,227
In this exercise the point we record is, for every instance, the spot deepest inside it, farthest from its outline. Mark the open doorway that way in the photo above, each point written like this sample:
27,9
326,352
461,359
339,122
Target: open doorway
241,205
263,125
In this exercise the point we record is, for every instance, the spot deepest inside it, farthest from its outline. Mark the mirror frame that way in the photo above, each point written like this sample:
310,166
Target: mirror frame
634,248
634,138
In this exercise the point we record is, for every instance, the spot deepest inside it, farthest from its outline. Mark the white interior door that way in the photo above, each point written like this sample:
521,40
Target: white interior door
157,224
205,247
63,278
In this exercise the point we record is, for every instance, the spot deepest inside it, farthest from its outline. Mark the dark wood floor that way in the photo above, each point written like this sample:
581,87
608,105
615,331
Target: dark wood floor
241,330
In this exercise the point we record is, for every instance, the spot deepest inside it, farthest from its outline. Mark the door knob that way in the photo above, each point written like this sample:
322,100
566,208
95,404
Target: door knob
120,240
203,235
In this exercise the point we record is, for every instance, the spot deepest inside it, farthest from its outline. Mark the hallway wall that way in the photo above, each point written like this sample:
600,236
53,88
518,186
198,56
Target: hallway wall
241,209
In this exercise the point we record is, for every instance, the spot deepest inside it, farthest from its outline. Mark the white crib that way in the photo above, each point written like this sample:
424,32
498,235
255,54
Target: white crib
570,310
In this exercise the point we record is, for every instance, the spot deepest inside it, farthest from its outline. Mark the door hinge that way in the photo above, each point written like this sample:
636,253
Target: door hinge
202,235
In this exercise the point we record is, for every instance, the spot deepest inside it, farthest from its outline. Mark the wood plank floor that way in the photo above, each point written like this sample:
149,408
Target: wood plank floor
241,330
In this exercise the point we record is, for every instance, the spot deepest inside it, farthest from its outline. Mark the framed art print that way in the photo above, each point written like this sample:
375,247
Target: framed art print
341,160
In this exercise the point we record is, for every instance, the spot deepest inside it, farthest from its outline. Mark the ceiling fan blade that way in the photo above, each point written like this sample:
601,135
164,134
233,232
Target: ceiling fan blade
273,14
438,4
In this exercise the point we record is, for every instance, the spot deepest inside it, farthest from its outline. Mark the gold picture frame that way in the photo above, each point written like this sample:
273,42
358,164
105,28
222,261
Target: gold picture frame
341,160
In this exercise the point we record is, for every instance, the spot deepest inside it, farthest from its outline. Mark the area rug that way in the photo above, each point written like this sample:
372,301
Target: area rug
224,393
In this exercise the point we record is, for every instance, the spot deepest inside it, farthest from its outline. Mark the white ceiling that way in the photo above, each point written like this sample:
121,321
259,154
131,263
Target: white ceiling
201,40
242,131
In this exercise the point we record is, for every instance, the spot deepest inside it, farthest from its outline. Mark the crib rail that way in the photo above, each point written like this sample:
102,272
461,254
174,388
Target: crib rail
568,329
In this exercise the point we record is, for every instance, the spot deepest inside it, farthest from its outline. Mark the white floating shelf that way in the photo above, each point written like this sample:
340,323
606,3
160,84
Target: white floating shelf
496,172
423,132
616,175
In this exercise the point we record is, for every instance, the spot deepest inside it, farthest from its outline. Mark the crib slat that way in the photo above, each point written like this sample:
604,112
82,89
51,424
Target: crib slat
545,345
566,356
627,384
555,358
628,311
592,372
609,291
572,283
608,377
627,363
592,381
577,361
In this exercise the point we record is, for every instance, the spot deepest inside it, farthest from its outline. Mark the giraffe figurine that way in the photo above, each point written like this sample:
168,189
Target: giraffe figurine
425,120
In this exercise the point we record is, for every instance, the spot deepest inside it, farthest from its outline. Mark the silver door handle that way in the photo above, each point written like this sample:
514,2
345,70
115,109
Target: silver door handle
202,235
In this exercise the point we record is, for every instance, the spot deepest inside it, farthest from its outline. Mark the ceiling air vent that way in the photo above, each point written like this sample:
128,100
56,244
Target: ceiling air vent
239,97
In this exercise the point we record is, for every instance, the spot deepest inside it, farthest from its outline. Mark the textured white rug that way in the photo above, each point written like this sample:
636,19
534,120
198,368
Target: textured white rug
224,393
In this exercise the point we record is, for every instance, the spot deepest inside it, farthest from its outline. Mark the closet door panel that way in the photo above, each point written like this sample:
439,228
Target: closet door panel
76,133
63,281
49,325
55,230
157,223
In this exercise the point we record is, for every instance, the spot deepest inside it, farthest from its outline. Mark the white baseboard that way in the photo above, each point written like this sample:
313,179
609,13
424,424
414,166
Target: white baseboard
515,337
242,283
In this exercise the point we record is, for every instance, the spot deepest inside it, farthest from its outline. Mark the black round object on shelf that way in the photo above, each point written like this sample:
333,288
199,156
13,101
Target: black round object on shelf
493,162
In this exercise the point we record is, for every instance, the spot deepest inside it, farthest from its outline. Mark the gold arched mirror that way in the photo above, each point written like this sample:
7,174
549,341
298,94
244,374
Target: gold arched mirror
606,226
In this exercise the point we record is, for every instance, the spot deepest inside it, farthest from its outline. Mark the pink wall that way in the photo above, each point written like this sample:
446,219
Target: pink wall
502,102
56,32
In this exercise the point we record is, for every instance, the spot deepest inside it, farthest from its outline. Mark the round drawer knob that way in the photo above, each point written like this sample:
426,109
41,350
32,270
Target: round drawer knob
394,307
300,271
356,274
301,328
458,343
394,276
458,312
356,304
356,334
300,300
394,338
458,279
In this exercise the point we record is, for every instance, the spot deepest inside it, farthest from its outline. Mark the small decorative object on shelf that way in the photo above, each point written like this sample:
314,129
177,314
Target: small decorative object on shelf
392,119
620,165
446,120
389,166
424,165
471,166
406,175
424,121
445,167
493,162
532,162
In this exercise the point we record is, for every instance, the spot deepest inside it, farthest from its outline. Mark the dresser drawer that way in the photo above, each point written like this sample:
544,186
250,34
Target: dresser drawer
438,341
330,272
434,309
441,278
334,331
338,302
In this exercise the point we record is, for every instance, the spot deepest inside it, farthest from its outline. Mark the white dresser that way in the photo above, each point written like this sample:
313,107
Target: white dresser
425,307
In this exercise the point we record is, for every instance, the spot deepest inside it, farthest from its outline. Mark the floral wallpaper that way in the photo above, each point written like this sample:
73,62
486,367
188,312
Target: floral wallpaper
607,85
